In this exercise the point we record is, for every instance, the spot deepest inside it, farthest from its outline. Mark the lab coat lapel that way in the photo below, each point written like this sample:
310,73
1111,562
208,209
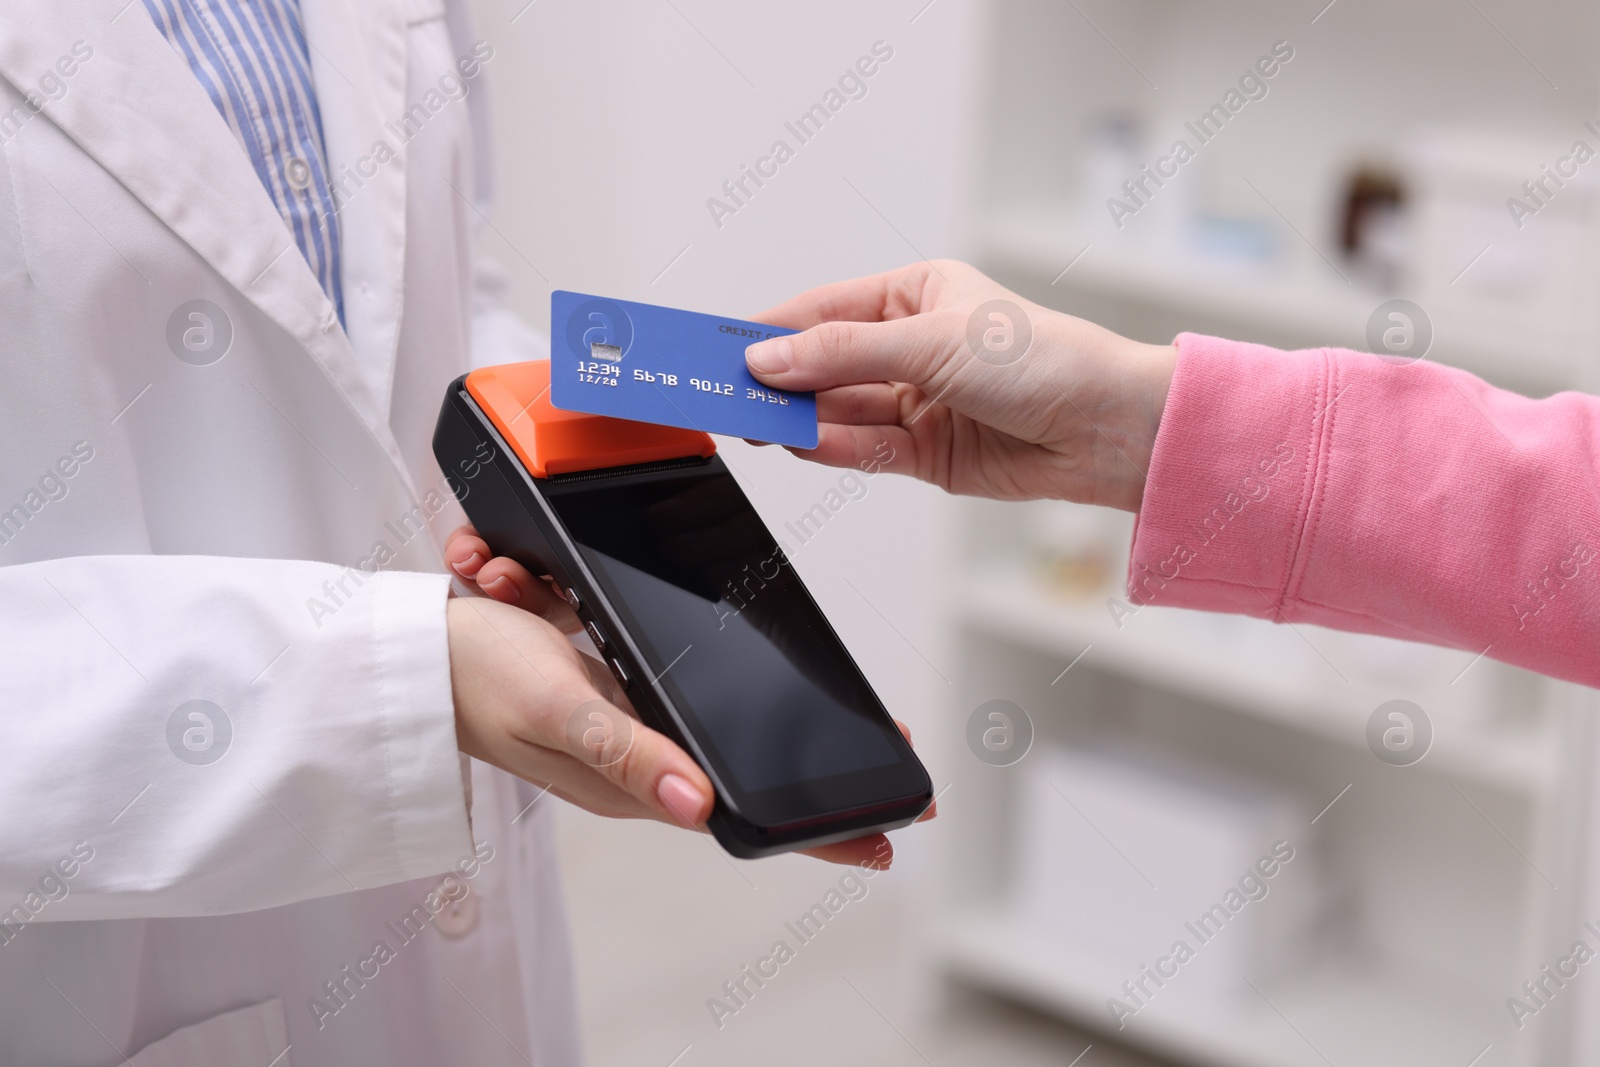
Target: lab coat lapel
143,116
359,56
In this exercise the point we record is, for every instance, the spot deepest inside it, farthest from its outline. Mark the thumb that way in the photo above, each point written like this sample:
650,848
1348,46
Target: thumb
642,762
916,350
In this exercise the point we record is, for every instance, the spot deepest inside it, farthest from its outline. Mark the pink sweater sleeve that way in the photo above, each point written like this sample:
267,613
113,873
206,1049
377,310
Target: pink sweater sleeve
1411,500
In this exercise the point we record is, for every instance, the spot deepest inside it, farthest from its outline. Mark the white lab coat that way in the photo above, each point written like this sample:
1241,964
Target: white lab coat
176,530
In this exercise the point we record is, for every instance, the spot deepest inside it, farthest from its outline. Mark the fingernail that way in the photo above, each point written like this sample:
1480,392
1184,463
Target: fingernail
461,568
503,583
680,799
769,357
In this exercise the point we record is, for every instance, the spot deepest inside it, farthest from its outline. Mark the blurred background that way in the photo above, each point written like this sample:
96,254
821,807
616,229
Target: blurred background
1113,785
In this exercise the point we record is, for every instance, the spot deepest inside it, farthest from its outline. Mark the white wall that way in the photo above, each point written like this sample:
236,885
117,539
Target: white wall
618,120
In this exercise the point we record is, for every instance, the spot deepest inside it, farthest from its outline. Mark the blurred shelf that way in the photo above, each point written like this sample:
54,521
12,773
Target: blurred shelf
1368,1016
1255,668
1303,300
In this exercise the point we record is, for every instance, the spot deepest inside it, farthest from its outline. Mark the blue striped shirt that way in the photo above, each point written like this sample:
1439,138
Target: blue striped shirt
252,58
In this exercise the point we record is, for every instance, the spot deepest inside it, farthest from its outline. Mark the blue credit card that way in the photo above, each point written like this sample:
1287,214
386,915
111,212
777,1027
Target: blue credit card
675,368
